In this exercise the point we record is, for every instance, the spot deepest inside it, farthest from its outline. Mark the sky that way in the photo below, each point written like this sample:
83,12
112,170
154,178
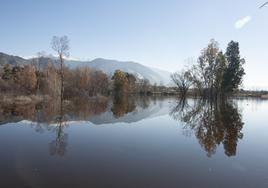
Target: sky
164,34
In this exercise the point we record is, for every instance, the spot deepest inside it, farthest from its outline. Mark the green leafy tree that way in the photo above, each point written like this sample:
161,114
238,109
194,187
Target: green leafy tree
234,73
7,74
120,82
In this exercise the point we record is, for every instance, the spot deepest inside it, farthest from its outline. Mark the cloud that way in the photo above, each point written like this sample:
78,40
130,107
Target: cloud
29,56
239,24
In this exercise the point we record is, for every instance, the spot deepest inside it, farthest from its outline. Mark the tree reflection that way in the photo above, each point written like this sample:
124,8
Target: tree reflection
53,116
122,104
46,113
59,145
213,123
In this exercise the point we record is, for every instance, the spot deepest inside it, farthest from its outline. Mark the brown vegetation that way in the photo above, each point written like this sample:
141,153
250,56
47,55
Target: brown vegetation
215,74
31,80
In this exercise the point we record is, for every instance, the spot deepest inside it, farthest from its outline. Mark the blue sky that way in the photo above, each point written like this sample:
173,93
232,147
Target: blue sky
158,33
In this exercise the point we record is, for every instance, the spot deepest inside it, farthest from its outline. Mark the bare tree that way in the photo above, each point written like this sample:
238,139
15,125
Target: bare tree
61,46
37,63
183,81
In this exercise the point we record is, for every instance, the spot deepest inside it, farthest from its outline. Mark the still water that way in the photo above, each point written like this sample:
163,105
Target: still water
135,142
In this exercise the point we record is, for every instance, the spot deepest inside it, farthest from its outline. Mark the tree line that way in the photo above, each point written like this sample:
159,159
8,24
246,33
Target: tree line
215,74
29,80
55,79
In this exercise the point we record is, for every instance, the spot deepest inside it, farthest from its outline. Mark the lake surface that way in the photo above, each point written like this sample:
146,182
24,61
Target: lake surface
135,142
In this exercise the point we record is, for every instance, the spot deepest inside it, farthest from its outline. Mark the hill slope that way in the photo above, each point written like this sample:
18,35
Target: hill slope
110,66
12,60
105,65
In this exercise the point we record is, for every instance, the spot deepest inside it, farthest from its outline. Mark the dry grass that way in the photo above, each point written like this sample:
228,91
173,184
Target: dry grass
264,96
7,99
22,99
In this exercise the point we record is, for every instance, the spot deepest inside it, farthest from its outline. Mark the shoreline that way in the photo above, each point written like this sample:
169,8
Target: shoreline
27,99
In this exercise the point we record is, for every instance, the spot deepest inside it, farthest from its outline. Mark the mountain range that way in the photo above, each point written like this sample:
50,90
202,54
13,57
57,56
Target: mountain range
107,66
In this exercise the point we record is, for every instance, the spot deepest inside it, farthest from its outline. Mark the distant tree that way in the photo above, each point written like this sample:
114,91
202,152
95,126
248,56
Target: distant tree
61,46
144,86
50,82
27,79
99,83
7,73
11,78
120,82
15,72
37,63
131,82
4,86
103,81
234,73
83,79
155,87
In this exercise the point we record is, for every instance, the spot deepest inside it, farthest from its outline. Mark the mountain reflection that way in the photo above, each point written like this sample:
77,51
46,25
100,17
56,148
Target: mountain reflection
99,110
213,123
50,112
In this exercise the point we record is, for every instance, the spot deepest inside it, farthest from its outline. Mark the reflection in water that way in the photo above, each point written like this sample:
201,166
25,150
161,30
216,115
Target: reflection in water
212,123
89,143
44,114
80,109
53,116
59,145
122,105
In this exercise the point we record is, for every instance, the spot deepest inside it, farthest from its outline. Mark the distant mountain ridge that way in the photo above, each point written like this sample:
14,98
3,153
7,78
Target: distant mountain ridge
12,60
107,66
